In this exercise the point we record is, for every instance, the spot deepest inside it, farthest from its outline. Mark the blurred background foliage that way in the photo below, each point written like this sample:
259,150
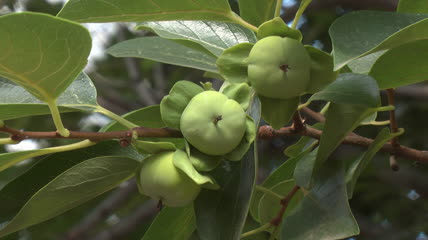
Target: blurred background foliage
387,205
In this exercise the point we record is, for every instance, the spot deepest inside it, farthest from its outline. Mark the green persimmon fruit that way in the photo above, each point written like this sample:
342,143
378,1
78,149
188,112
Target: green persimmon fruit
160,179
279,67
213,123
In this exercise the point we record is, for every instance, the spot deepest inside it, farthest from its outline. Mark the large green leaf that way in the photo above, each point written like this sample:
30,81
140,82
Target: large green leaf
164,50
402,65
172,224
364,64
257,12
214,36
146,10
16,102
44,54
412,6
73,187
324,212
221,214
351,88
355,170
365,38
47,169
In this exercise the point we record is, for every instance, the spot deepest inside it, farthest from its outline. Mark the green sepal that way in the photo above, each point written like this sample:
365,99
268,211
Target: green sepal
182,161
148,147
232,63
208,86
173,105
278,112
203,162
239,92
277,27
322,72
250,134
138,179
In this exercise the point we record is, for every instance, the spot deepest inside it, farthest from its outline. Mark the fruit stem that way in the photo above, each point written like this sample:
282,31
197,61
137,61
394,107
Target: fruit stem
303,5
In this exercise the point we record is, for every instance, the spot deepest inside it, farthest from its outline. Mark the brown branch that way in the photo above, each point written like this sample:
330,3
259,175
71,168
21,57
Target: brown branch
298,123
284,204
315,115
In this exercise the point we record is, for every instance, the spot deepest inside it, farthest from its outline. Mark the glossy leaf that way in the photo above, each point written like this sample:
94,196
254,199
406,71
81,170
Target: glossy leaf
357,167
412,6
47,169
325,211
16,102
364,64
172,224
321,69
173,105
340,121
270,205
164,50
214,36
145,10
232,63
277,27
282,173
221,214
257,12
73,187
46,66
402,65
240,92
278,112
397,29
351,88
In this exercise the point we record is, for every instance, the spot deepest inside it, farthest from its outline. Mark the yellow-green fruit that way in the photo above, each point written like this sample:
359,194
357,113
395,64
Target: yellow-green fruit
279,67
160,179
213,123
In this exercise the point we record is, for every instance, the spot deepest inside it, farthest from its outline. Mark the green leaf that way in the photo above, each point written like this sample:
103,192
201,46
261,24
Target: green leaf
232,63
412,6
303,144
43,54
322,72
145,10
47,169
325,211
357,167
203,162
16,102
245,144
363,39
351,88
172,224
164,50
147,147
340,121
173,105
73,187
270,205
278,112
240,92
402,65
363,65
277,27
282,173
305,169
181,160
214,36
257,12
221,214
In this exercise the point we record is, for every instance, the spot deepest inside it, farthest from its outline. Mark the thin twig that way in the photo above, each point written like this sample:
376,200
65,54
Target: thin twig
298,123
394,128
284,204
